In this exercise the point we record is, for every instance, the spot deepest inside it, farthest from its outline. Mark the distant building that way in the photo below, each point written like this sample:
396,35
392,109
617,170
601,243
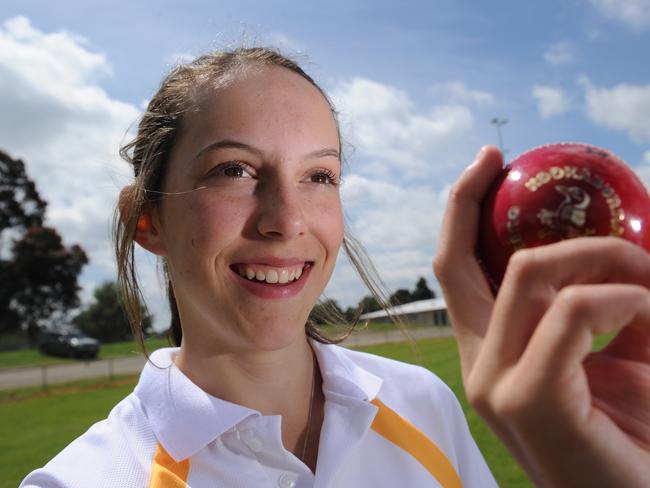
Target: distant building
432,311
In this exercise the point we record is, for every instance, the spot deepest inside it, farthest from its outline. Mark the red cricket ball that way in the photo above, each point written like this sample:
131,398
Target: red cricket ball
559,191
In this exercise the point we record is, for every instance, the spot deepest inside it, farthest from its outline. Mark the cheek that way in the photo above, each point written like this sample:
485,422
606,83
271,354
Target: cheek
329,225
209,224
221,219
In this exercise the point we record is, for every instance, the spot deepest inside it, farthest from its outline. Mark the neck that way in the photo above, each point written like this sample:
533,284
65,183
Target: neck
265,381
279,382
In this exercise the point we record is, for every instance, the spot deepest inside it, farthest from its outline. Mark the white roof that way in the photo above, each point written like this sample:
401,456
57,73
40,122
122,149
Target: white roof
428,305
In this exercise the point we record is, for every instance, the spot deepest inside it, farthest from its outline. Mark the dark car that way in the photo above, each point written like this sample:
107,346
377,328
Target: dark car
69,343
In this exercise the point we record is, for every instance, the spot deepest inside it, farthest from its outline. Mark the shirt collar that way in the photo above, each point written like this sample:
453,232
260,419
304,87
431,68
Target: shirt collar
185,419
342,376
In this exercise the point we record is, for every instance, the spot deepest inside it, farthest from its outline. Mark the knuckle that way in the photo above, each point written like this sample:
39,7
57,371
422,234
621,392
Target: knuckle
477,395
504,407
523,265
440,266
516,398
572,301
510,399
477,401
512,406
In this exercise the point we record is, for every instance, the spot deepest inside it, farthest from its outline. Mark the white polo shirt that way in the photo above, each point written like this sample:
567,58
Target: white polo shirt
387,424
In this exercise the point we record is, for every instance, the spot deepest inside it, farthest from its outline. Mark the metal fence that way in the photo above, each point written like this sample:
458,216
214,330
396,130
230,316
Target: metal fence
45,376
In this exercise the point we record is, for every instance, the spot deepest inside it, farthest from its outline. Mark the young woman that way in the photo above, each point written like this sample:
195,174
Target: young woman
237,163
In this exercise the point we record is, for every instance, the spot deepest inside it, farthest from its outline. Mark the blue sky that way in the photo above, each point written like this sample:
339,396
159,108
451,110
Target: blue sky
416,82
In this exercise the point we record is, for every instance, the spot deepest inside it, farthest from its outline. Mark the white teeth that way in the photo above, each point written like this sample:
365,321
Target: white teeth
272,276
284,276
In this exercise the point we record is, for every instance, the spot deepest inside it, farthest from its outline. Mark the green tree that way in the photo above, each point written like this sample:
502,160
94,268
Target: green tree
422,291
21,206
104,318
401,296
351,314
369,304
38,275
45,274
327,312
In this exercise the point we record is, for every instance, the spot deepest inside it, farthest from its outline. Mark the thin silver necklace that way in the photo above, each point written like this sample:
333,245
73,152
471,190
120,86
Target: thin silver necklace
311,405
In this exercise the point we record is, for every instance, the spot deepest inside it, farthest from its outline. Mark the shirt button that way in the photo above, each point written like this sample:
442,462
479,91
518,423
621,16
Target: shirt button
287,480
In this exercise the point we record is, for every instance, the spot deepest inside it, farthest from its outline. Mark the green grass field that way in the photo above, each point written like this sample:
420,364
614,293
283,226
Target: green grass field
36,425
31,357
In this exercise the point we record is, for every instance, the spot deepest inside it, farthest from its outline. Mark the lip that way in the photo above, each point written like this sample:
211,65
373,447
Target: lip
276,290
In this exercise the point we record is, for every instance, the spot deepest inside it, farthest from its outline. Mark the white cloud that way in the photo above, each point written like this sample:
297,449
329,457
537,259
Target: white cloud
67,129
562,52
179,58
550,100
394,196
458,91
623,107
285,42
634,14
397,224
643,169
390,215
64,125
385,126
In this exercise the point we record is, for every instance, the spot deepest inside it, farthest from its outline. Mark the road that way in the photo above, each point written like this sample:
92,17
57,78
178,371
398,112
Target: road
53,374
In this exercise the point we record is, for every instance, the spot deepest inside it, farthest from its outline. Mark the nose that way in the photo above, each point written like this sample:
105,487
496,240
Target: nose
281,212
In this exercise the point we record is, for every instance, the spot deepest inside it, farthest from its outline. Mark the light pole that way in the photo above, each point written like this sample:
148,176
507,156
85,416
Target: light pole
499,123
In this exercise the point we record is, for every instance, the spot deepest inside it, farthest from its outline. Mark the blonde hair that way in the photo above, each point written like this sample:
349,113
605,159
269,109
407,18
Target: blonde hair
149,151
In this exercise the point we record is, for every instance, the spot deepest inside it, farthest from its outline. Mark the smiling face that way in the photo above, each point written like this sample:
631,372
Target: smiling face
252,249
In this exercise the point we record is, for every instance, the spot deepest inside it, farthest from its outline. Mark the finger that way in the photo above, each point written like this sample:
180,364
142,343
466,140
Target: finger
565,335
469,298
460,224
552,406
534,277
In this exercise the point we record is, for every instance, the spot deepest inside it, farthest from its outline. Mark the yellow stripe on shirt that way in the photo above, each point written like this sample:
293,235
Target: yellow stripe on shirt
402,433
167,473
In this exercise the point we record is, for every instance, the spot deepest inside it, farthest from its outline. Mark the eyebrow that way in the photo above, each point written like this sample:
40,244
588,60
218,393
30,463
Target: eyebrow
232,144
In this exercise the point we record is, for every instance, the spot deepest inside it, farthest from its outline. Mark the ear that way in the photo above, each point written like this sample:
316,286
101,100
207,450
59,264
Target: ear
147,227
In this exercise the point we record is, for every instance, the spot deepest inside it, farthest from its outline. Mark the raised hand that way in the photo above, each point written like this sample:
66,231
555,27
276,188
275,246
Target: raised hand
570,416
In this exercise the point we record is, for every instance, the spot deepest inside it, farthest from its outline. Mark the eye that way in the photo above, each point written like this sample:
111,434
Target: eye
324,177
232,169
